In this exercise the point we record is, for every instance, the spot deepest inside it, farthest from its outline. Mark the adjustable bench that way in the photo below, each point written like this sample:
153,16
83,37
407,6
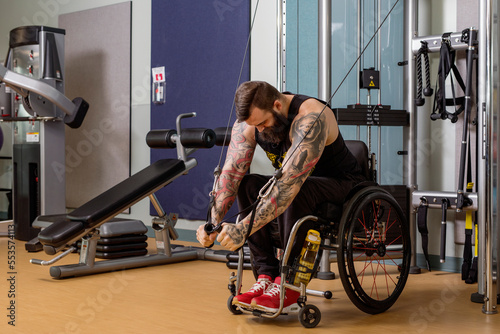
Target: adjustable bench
65,230
70,228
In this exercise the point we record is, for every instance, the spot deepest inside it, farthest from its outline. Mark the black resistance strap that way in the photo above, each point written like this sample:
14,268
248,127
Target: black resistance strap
422,228
447,65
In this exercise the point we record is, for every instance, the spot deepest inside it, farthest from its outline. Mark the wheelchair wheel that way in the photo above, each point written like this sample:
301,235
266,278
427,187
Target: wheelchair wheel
374,250
309,316
232,308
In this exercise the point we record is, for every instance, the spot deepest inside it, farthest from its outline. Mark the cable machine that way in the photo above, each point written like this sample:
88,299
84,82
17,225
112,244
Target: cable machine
482,45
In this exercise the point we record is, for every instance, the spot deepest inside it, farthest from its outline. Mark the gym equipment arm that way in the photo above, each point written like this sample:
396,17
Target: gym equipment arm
74,111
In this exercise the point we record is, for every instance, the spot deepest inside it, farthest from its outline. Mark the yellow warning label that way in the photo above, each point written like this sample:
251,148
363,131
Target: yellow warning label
372,84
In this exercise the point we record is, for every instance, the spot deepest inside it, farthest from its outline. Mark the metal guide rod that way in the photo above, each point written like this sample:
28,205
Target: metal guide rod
481,133
281,29
379,52
486,117
324,49
410,133
358,66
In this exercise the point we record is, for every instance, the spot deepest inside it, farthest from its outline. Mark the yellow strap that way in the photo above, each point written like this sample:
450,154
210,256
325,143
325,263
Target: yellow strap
476,244
468,220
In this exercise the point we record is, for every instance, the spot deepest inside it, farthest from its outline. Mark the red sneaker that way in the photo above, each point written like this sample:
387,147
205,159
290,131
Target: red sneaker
270,300
259,287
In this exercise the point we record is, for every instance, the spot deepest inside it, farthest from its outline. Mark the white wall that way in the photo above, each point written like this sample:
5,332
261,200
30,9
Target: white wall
264,65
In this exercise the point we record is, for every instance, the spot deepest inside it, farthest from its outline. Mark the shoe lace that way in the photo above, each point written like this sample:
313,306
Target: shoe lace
259,285
274,290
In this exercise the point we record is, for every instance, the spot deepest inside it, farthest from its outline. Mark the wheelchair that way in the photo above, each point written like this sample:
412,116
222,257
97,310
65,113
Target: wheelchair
371,237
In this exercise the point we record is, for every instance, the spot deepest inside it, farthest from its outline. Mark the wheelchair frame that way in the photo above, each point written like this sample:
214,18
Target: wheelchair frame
358,241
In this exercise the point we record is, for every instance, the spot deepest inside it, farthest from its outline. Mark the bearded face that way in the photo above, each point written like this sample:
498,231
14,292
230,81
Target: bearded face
278,132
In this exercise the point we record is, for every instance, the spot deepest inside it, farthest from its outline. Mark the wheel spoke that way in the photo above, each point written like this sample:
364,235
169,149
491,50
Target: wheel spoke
393,241
375,239
386,272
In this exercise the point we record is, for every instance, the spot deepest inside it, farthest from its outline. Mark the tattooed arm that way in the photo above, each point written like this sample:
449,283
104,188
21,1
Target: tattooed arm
239,156
301,159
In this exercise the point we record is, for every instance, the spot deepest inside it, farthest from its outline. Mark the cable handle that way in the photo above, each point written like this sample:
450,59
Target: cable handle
211,228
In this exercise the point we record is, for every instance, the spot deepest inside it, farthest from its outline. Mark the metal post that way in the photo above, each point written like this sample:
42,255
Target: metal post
486,114
358,66
282,44
324,49
481,163
410,15
325,88
379,96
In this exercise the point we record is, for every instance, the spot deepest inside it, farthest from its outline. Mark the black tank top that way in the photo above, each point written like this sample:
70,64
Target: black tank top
336,160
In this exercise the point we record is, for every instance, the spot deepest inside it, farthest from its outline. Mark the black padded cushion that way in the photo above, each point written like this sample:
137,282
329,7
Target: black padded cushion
60,228
124,194
360,152
56,234
110,203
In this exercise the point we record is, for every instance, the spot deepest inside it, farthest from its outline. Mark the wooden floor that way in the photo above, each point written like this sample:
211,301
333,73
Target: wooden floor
191,297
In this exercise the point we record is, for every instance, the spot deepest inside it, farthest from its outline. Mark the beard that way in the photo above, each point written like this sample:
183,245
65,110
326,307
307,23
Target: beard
278,132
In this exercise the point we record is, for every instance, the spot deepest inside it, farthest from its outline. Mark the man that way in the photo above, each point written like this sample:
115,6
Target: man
300,135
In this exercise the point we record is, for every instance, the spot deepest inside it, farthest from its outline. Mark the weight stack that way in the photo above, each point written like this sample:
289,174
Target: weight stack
121,238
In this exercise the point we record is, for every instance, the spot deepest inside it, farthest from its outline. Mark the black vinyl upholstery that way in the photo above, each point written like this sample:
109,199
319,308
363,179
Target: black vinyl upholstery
59,231
360,152
125,193
111,202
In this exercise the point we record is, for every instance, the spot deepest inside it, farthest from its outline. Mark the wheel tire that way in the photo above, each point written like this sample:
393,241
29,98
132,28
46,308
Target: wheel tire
374,250
233,308
309,316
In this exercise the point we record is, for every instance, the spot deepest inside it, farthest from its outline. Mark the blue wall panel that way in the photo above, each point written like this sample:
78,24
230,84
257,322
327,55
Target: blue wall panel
202,45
